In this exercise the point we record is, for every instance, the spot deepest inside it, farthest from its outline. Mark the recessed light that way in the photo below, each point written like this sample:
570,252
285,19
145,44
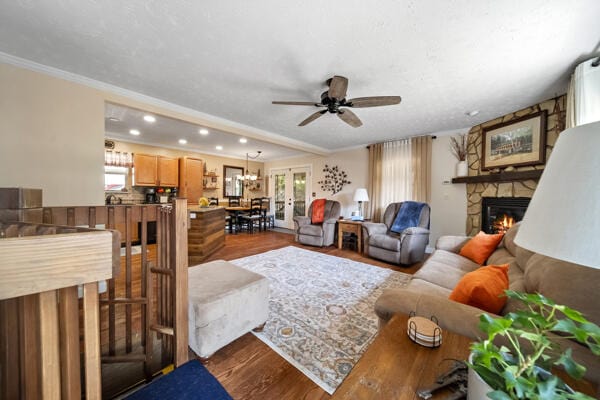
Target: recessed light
134,132
149,118
203,131
243,140
113,119
472,113
219,147
182,141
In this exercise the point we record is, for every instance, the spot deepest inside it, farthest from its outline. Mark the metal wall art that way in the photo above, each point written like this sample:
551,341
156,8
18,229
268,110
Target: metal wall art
334,180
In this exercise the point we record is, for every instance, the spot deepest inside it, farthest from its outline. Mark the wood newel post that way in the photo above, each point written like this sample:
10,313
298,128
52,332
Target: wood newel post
179,262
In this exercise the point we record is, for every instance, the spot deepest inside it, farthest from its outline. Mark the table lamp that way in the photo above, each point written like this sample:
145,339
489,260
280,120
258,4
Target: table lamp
361,195
562,218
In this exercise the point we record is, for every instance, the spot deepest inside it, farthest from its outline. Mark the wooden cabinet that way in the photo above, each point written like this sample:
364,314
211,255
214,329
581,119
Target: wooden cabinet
168,171
190,179
155,170
145,170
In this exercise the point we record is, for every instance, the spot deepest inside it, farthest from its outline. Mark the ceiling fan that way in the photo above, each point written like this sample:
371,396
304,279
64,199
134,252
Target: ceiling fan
335,98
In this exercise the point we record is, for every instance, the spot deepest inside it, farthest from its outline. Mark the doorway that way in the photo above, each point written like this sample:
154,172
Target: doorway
290,191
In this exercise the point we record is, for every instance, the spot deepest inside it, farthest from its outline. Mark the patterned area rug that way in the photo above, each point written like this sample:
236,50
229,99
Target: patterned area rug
321,309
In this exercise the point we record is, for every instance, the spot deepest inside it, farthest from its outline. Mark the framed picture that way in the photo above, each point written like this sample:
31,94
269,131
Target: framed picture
518,142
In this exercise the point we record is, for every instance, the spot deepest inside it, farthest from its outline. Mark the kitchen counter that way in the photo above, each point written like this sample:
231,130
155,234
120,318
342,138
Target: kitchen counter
206,233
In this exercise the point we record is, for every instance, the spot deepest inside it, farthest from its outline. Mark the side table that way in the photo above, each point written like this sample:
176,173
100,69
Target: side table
349,226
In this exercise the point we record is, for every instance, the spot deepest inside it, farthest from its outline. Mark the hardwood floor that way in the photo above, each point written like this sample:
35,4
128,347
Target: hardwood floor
248,368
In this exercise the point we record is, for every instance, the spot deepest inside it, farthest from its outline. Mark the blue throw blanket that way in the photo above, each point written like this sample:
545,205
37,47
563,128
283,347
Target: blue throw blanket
408,216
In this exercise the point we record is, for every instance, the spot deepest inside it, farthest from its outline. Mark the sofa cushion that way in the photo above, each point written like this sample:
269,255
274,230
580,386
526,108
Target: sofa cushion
384,241
311,230
483,288
481,246
565,283
445,269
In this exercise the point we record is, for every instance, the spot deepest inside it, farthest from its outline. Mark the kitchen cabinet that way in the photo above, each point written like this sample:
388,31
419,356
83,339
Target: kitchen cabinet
168,171
153,170
190,179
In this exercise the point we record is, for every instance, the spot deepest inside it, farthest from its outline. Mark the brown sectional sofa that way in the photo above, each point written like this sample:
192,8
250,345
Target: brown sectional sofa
427,293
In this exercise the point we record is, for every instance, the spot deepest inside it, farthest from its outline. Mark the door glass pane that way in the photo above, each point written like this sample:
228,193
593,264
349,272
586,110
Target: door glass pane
299,193
280,197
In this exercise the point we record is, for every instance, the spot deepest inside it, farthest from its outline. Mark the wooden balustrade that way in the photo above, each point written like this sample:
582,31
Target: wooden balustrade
144,306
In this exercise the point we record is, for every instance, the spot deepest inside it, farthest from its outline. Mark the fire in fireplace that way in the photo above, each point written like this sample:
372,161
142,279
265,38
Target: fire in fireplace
500,213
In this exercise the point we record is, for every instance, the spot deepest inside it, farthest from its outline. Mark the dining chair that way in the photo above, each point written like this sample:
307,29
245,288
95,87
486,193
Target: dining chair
268,216
254,217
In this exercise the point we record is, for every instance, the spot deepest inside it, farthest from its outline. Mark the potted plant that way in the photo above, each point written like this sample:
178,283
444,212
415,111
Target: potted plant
458,146
518,368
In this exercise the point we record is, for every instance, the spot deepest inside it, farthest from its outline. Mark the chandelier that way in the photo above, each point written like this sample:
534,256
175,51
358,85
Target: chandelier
249,178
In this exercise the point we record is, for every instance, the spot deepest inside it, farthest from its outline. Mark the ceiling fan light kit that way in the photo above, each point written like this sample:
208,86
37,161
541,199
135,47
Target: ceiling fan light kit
335,97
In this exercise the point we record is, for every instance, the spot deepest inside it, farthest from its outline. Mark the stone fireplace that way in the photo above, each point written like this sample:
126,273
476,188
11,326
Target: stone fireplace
511,184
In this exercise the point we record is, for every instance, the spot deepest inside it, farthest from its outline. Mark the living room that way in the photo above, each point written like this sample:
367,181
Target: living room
219,68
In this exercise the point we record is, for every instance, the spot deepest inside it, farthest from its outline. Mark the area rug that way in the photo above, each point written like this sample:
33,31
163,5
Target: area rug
321,316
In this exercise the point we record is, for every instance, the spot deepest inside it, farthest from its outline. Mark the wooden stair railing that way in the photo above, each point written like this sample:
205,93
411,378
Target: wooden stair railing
41,267
155,282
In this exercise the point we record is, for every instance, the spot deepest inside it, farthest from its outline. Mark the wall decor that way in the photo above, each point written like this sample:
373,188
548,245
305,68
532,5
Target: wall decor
518,142
334,179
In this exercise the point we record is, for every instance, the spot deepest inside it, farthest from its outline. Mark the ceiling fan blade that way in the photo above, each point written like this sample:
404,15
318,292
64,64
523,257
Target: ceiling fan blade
375,101
312,118
297,103
338,87
350,118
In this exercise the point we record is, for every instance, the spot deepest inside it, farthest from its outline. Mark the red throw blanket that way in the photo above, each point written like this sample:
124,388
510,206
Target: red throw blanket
318,211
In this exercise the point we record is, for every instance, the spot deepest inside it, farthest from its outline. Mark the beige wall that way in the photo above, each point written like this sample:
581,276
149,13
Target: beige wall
353,162
448,201
51,137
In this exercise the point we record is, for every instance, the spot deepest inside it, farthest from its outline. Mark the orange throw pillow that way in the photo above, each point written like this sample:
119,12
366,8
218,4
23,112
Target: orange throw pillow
483,288
318,211
481,246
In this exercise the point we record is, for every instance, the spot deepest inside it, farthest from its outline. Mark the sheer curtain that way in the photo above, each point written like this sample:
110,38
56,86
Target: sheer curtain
583,97
398,171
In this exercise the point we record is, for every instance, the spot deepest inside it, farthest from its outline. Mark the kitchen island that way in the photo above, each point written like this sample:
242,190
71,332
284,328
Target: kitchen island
206,233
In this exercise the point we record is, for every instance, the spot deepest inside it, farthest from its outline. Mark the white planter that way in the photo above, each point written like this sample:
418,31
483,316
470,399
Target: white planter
477,389
462,169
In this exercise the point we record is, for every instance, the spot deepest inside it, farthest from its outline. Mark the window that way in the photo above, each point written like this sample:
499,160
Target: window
115,178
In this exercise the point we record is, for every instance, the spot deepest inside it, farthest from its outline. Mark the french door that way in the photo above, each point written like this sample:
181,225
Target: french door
290,192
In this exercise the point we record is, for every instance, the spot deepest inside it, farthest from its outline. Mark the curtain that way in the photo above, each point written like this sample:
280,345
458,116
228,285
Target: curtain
583,96
374,211
421,168
398,171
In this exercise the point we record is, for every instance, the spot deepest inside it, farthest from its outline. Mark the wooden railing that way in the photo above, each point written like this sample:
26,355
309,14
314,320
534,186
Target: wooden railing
144,309
41,266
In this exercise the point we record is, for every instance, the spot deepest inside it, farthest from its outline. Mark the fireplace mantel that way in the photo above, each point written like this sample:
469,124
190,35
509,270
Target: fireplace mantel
501,177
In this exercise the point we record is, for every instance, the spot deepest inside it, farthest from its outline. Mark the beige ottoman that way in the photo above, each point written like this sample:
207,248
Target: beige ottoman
226,302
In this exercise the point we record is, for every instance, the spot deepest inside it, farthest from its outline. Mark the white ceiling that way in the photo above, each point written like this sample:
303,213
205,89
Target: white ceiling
230,59
166,132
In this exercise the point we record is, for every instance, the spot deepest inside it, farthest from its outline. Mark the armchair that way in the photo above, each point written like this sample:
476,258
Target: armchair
318,234
402,248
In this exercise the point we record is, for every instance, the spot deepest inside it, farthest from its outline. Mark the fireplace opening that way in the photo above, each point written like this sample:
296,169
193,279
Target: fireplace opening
500,213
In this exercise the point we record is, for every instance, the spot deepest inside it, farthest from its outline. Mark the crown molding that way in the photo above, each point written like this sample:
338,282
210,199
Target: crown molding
107,87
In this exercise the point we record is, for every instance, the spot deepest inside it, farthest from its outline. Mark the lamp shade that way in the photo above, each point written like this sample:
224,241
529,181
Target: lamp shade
563,217
361,195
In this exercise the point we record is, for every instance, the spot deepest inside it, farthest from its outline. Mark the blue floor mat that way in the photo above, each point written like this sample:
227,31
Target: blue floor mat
191,381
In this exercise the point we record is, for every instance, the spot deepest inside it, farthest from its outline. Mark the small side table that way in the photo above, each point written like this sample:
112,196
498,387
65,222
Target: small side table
349,226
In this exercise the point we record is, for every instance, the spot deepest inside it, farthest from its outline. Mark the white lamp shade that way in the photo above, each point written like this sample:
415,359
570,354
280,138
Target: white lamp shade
563,217
361,195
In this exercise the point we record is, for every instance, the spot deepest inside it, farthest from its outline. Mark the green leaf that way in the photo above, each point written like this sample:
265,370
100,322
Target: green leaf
498,395
547,388
573,368
571,313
